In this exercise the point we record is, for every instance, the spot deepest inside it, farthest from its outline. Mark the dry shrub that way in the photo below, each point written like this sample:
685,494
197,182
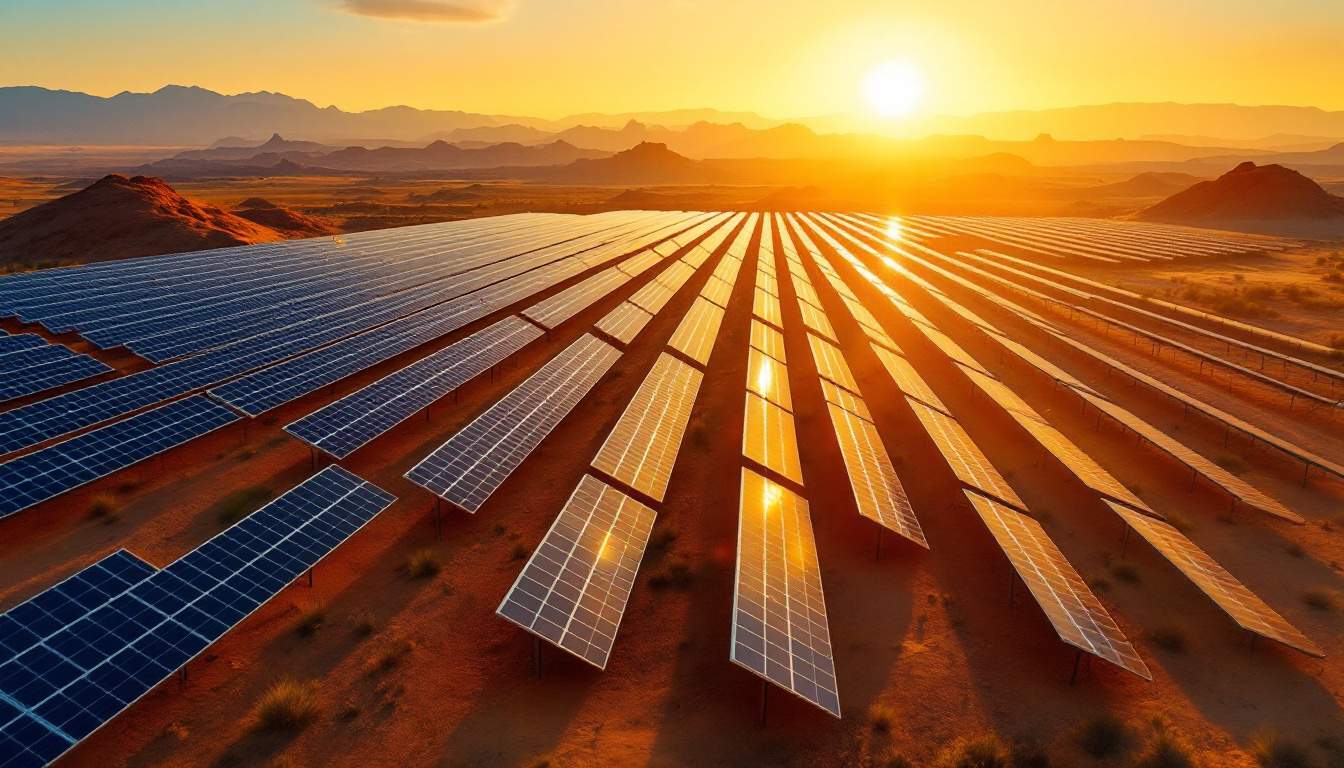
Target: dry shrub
1273,751
1103,736
286,706
423,563
986,751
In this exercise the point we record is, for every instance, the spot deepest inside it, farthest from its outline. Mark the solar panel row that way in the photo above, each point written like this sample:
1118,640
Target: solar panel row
642,448
73,679
44,474
473,463
343,426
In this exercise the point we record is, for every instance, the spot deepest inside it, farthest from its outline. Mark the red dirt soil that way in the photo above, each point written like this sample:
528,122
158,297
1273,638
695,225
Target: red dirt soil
927,646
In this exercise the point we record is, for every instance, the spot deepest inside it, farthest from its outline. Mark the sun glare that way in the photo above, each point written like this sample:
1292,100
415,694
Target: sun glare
893,88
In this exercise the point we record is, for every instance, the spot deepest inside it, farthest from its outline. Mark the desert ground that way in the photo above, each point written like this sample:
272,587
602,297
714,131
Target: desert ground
413,667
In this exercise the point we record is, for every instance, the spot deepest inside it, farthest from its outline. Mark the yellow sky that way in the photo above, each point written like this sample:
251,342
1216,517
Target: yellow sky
784,59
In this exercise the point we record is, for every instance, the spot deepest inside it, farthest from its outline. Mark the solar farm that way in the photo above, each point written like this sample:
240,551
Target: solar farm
678,474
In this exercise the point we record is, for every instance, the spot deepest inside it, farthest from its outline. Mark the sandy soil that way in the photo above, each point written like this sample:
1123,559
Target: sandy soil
927,646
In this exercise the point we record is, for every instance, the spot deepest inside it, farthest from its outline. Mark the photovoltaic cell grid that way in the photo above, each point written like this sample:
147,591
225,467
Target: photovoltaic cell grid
65,369
768,438
1240,489
75,679
878,492
553,311
967,462
1086,468
574,588
342,427
13,362
906,378
20,341
699,329
624,322
1248,611
1075,613
473,463
768,340
842,397
768,378
51,471
831,363
643,446
780,627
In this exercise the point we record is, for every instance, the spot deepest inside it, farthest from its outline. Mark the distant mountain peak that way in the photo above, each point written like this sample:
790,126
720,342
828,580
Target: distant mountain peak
1249,192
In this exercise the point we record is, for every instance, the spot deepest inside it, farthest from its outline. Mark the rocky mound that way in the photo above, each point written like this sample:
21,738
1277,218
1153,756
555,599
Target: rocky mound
1249,193
288,222
117,217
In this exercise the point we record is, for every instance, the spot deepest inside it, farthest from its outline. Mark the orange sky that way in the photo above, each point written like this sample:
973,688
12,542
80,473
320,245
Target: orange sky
782,58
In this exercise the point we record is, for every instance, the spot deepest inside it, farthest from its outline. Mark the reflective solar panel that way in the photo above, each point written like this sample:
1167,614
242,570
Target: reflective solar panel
836,395
768,340
766,307
553,311
728,269
961,453
699,329
717,291
80,676
768,378
1077,461
642,448
907,379
816,321
1248,611
653,296
1240,489
780,627
343,426
44,474
1076,614
831,363
769,439
624,322
467,468
636,265
574,588
877,490
18,360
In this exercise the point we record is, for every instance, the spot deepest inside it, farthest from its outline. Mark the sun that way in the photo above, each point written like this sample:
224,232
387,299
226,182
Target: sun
893,88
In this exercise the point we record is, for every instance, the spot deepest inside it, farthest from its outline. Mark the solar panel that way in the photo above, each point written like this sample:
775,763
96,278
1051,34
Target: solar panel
961,453
343,426
768,378
23,626
653,296
18,360
842,397
951,348
768,340
1240,489
717,291
642,448
636,265
769,439
699,329
20,341
831,363
780,627
1076,614
66,369
467,468
907,379
1248,611
878,492
44,474
553,311
728,268
1080,464
766,307
624,322
80,676
767,282
573,590
816,320
802,288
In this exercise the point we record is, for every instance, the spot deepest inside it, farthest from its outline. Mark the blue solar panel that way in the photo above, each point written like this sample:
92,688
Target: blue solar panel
345,425
67,368
18,360
478,459
78,677
51,471
20,341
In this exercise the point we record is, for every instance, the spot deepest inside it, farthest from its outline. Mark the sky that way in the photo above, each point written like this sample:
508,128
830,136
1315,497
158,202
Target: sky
780,58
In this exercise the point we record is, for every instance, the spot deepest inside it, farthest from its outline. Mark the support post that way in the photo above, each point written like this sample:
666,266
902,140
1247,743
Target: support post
1077,657
877,556
765,698
536,656
310,578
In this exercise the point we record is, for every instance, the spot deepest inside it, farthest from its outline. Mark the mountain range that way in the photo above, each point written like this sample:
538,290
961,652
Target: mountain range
192,116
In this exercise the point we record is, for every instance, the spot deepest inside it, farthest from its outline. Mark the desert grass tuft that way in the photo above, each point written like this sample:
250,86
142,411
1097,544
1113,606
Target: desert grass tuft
423,563
286,706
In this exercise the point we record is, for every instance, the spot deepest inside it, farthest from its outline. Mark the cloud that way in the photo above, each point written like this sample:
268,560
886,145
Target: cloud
460,11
